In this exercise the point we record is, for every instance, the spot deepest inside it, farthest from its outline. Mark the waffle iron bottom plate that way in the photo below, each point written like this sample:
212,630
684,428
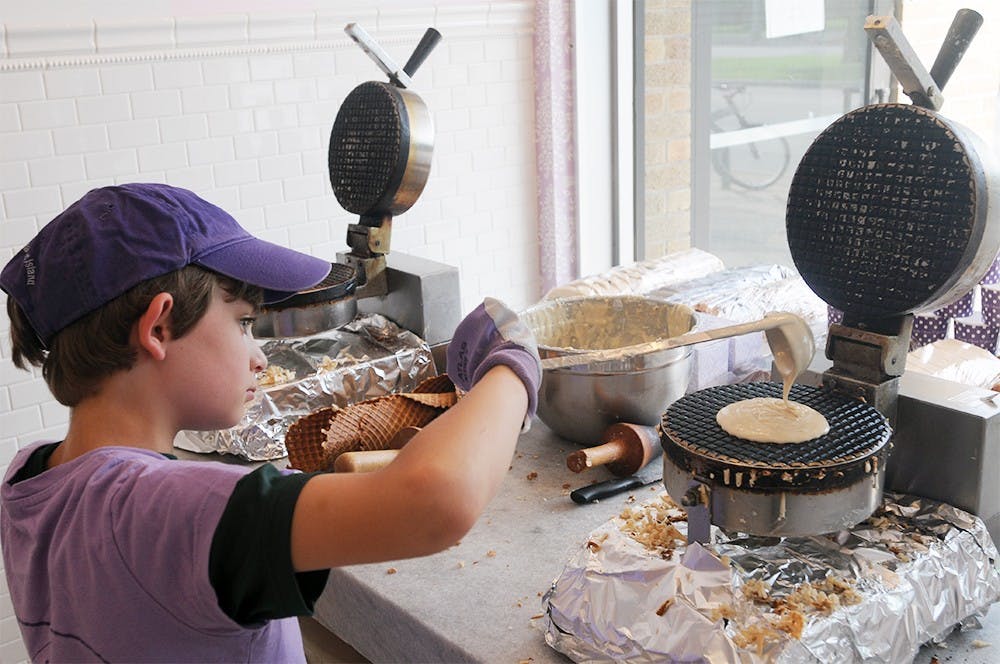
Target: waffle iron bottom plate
819,486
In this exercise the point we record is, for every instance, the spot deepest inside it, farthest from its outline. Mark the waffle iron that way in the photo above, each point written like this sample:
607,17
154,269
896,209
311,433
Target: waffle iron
892,210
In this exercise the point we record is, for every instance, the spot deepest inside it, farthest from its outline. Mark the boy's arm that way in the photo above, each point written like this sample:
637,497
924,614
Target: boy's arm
428,497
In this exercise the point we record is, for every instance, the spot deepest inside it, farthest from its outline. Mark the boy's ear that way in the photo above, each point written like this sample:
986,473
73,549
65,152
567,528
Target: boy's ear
153,327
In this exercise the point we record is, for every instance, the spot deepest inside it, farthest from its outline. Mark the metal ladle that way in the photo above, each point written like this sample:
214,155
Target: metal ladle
788,336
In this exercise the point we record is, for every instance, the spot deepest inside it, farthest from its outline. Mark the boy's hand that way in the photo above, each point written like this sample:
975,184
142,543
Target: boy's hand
490,335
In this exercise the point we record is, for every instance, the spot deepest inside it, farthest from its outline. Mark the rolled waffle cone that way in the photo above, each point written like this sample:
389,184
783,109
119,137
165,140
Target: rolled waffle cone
370,425
316,440
440,384
304,441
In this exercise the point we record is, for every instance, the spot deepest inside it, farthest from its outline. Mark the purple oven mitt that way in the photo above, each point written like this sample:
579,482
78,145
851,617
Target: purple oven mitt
490,335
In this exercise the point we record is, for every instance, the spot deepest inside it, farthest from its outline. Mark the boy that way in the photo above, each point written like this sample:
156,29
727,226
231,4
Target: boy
137,302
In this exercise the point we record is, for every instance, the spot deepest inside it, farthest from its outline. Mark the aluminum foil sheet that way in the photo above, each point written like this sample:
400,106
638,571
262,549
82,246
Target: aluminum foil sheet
367,358
875,593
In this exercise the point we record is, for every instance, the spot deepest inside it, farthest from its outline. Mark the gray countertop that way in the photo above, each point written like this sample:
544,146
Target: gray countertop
480,599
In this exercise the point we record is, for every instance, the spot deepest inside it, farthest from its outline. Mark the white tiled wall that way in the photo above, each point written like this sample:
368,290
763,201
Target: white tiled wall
239,108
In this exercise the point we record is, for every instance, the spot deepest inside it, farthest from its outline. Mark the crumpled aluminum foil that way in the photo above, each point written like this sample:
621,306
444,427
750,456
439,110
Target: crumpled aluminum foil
374,357
919,568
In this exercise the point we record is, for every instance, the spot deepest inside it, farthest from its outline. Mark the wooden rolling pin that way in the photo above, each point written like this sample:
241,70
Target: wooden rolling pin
626,448
365,461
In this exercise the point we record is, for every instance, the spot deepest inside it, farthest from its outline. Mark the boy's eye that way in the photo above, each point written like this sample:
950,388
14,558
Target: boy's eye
247,323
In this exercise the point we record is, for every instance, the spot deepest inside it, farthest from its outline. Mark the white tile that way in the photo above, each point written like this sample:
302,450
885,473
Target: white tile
325,208
205,99
316,161
133,133
204,29
275,117
84,138
256,144
72,82
193,178
321,113
461,16
177,74
56,170
271,67
281,27
314,64
14,652
211,151
284,214
29,393
235,173
13,175
294,90
251,95
22,86
105,108
50,39
184,128
127,78
162,157
305,234
26,145
486,117
503,49
230,123
306,186
48,114
330,22
21,421
465,52
451,75
17,233
55,416
261,194
35,201
9,118
397,19
280,167
134,34
300,139
217,71
455,119
466,96
156,104
110,164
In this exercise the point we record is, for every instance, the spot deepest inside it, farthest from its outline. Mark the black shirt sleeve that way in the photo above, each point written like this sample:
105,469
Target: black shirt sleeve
250,562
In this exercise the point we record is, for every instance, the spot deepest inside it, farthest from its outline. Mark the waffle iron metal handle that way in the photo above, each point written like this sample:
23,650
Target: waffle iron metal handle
886,35
396,75
427,43
963,28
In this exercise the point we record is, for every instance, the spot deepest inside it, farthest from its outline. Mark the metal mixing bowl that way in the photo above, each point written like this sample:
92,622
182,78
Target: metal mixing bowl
579,403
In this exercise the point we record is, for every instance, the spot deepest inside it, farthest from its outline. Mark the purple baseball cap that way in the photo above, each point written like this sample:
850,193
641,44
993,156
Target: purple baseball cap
117,237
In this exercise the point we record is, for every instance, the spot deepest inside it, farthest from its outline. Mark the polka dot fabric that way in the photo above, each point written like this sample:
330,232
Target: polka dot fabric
973,330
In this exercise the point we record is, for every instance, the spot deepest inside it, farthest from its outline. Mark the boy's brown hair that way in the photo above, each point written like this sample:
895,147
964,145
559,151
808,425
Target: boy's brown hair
87,351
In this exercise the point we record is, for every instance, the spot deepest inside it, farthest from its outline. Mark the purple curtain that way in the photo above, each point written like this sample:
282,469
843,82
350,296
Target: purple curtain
555,140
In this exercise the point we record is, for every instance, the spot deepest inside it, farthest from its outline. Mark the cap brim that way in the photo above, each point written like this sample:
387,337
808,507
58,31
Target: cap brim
280,271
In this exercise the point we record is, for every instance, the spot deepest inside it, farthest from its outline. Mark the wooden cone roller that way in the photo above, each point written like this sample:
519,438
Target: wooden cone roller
624,450
365,461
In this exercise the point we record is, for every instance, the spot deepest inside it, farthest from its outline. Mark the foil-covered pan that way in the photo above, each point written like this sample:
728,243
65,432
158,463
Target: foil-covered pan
635,591
369,357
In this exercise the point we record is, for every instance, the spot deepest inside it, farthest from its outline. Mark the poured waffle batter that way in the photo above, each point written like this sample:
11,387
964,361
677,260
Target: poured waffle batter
771,420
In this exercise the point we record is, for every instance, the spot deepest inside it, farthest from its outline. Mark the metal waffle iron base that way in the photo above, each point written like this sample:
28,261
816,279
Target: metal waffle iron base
819,486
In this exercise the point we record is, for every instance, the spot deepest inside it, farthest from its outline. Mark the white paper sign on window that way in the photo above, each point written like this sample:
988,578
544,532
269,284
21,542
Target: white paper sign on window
793,17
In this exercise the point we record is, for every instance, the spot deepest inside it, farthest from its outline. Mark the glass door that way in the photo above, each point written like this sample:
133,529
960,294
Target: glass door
767,77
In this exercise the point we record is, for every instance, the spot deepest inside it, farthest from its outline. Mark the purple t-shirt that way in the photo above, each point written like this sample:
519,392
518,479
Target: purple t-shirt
107,559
